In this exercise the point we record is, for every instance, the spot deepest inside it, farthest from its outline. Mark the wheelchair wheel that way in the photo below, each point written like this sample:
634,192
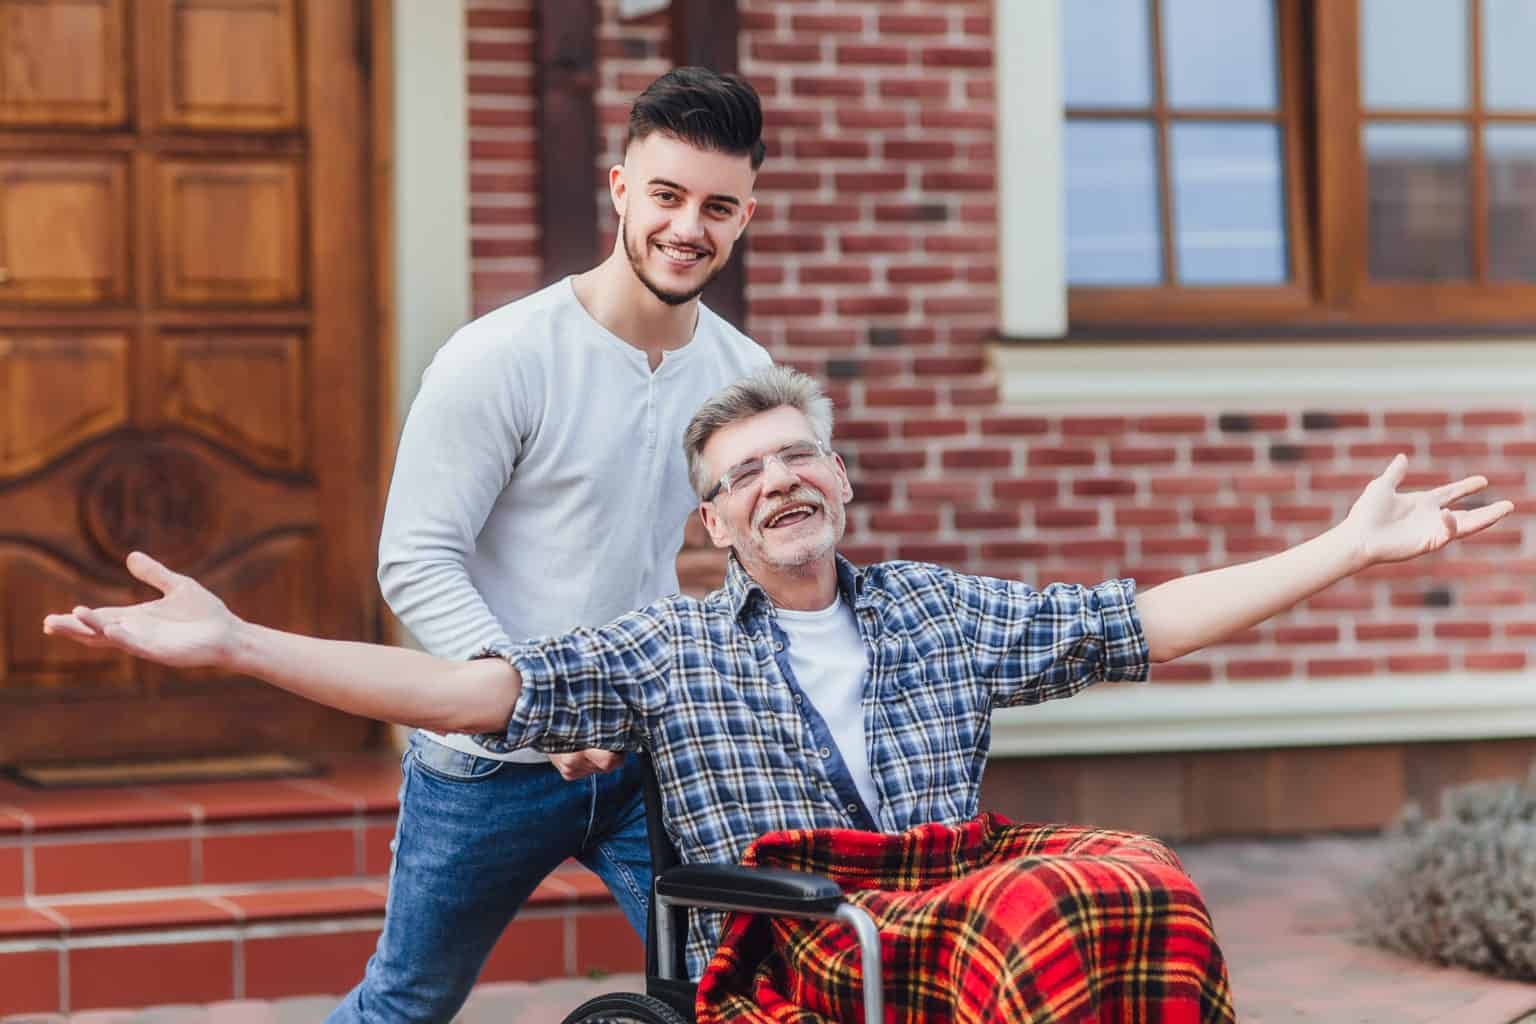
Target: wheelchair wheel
625,1008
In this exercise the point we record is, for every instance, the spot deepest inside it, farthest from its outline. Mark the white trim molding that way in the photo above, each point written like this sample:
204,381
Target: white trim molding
1229,716
1243,375
1031,234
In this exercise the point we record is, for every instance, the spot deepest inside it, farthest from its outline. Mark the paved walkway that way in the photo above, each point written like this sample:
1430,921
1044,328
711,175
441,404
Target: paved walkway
1281,910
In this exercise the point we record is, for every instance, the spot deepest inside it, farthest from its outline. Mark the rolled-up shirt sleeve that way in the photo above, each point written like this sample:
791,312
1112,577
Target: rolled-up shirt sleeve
1029,646
595,687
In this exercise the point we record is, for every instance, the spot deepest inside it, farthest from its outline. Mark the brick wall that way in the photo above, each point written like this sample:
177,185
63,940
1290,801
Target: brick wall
873,265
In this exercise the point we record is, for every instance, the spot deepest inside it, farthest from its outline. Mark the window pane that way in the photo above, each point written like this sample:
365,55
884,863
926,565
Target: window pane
1509,40
1414,54
1418,222
1107,55
1113,235
1510,154
1228,204
1220,54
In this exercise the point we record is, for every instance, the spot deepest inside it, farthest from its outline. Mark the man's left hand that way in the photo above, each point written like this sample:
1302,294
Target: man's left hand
1392,527
593,761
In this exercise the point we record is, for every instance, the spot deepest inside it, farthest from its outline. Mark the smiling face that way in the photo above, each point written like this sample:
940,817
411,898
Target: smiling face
789,518
681,210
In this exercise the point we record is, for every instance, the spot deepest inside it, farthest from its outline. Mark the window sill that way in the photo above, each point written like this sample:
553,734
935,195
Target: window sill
1272,372
1230,716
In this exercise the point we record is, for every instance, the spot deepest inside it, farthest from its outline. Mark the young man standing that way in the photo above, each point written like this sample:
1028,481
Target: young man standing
540,486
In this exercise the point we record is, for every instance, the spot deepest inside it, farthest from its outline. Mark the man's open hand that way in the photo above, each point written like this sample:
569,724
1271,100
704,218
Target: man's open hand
1391,527
185,628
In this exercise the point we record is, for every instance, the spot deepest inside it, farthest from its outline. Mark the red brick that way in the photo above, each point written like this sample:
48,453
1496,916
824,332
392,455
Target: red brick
984,394
501,85
842,87
958,57
1102,547
827,24
1333,419
958,181
823,148
175,972
606,944
876,119
821,337
1350,482
1049,517
1459,449
1334,667
786,307
499,18
1157,515
503,215
1341,599
1259,668
923,274
764,242
1179,486
1520,629
951,365
977,25
1161,546
968,244
904,522
977,458
862,244
914,397
1307,634
1029,489
1308,514
873,305
1223,454
913,24
828,213
786,53
788,181
1043,456
914,89
12,879
988,518
960,305
1226,515
1369,632
1495,597
1463,630
1382,450
1174,424
1419,663
1495,661
1135,455
1100,487
1265,483
1092,426
1416,419
938,426
29,983
920,149
1015,425
858,54
1493,418
1182,672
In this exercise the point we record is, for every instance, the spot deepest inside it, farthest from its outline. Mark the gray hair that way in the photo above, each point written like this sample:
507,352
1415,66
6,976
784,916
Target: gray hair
763,390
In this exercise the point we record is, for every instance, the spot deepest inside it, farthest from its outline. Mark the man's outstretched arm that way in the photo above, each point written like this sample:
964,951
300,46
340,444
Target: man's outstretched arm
1186,614
189,627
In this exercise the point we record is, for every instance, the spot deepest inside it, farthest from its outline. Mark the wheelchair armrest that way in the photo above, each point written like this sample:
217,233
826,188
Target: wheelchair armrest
769,890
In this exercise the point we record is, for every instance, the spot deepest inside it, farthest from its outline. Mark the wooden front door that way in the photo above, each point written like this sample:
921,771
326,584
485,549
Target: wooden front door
188,353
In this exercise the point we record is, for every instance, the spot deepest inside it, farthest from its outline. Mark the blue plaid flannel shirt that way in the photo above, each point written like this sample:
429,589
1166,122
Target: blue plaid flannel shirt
706,687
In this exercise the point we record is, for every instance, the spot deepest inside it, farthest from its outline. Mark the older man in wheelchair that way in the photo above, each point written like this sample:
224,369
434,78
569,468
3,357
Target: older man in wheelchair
815,718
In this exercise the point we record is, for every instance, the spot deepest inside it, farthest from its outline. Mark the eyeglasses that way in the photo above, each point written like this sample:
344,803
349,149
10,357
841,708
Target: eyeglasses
793,457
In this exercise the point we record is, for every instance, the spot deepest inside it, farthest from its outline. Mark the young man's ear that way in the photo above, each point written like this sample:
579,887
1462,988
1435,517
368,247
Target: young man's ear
618,188
713,523
747,211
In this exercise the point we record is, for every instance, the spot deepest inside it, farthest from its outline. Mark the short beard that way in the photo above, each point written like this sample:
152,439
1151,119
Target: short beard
637,262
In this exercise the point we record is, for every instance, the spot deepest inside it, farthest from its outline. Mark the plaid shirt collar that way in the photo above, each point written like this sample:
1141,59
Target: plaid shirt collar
747,598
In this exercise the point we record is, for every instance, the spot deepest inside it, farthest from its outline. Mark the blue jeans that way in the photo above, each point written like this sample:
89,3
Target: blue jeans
475,837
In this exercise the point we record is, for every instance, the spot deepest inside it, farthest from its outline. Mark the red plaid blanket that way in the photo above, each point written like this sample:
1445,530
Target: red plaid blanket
982,922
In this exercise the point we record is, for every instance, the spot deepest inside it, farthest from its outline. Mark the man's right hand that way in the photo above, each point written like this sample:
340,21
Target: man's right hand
592,761
187,627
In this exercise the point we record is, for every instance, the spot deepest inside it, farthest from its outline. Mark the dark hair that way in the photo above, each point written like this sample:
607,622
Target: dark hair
703,108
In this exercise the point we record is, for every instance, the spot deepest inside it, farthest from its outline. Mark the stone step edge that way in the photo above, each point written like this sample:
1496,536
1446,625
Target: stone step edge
201,908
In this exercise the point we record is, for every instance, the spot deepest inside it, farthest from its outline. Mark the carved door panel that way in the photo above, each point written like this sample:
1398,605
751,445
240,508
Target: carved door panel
187,361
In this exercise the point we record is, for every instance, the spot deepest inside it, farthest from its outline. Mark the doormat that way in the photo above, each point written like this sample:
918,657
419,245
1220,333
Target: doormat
229,768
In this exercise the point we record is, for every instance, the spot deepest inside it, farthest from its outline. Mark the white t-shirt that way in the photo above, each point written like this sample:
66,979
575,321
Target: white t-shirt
830,661
540,483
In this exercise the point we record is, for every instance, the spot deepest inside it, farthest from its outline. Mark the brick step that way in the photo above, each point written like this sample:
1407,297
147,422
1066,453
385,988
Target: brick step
136,896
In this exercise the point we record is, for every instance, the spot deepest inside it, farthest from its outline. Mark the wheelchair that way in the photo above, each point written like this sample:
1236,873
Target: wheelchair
669,995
